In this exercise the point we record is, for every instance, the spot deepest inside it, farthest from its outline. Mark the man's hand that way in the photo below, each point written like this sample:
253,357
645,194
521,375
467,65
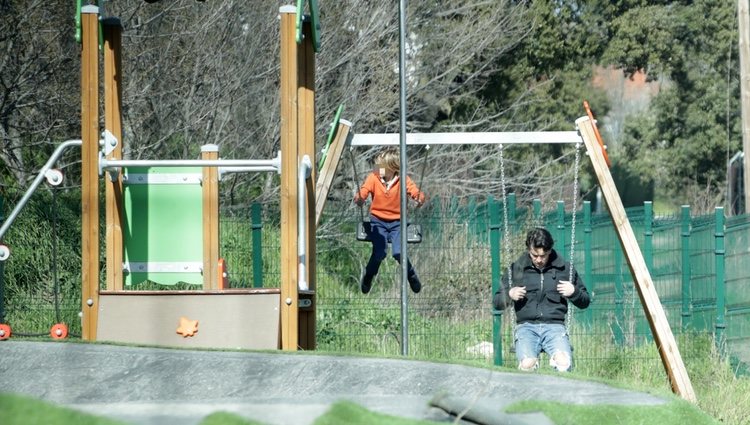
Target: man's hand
565,288
517,292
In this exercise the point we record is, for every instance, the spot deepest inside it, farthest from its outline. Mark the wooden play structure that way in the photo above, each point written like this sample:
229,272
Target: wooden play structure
152,213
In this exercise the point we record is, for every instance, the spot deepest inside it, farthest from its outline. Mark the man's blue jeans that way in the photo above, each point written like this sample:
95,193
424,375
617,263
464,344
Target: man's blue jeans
533,338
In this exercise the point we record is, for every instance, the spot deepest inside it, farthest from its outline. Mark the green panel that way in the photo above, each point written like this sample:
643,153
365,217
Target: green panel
163,223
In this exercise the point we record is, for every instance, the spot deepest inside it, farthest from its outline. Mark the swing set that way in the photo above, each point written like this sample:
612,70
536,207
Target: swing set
588,134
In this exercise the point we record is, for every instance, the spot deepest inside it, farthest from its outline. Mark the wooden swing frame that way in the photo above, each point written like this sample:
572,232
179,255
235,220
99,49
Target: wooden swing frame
589,134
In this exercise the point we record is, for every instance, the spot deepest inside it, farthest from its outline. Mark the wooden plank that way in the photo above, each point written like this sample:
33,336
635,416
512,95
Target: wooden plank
89,171
288,201
330,164
306,143
224,320
113,123
654,312
210,187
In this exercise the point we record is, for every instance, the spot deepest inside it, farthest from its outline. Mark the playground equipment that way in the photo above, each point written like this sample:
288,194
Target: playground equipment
291,307
140,245
588,135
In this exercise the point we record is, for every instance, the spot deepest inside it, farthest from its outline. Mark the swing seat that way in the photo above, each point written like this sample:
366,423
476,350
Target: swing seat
413,232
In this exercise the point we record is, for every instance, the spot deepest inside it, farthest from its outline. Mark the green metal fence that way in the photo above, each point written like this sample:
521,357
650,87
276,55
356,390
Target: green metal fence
698,265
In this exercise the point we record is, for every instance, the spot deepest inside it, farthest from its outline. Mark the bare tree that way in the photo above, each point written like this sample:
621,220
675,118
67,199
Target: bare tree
208,72
39,102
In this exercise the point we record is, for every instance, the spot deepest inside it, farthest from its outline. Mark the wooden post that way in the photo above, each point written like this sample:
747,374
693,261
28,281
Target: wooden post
89,171
288,202
330,164
744,47
306,146
665,342
113,123
210,185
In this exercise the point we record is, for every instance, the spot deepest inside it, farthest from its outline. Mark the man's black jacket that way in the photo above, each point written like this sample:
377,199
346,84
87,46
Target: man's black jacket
542,304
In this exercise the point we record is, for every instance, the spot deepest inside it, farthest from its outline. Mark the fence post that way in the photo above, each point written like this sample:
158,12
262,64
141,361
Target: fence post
537,211
648,235
642,326
560,237
495,254
257,229
619,298
512,225
720,283
470,217
686,297
587,257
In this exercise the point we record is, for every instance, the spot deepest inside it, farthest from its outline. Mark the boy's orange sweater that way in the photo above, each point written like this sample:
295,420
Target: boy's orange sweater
386,203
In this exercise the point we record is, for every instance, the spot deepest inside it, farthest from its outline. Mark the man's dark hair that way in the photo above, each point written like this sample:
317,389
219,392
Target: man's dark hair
539,238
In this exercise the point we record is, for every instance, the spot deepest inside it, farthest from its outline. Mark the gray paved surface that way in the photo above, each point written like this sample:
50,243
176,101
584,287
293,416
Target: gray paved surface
163,386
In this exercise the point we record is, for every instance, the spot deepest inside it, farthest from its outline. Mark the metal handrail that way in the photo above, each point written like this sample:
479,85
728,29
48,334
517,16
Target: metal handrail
37,181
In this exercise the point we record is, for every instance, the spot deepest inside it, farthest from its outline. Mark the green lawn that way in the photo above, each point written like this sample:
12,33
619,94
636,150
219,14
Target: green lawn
20,410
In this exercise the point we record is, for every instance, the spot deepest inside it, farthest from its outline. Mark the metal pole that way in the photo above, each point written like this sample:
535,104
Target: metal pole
560,237
587,278
648,257
257,226
686,298
496,255
403,173
719,254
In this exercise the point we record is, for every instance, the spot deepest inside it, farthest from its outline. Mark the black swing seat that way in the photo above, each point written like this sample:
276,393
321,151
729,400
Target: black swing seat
413,232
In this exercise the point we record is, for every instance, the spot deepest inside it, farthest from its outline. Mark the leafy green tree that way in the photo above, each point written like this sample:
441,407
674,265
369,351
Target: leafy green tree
684,141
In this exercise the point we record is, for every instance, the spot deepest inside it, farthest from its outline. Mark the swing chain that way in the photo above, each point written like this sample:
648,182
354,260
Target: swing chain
506,237
573,224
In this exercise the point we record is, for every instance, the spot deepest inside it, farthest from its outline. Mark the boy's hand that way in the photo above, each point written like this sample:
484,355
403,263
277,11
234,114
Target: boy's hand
421,198
359,201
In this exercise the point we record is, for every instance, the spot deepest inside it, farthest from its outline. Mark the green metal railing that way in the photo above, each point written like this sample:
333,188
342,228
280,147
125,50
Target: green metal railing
698,265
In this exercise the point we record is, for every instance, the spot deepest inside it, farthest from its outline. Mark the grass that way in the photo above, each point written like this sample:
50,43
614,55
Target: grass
674,413
19,410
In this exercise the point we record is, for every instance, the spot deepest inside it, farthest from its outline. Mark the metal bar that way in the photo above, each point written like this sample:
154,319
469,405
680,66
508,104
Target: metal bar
560,236
648,257
22,203
496,138
225,170
587,257
719,254
305,170
257,236
401,141
685,236
496,256
250,164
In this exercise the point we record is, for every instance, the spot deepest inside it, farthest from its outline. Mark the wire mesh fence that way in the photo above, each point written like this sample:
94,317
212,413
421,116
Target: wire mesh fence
452,317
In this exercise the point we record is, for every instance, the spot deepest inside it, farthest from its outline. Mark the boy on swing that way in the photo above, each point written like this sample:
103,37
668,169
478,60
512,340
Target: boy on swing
385,214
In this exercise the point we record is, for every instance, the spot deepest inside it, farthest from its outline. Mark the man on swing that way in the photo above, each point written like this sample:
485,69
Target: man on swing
541,286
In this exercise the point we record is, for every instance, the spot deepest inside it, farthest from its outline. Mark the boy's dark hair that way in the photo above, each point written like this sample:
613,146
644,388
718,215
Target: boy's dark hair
539,237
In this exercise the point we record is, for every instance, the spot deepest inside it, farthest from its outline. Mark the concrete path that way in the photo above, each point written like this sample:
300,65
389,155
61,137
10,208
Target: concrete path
149,386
